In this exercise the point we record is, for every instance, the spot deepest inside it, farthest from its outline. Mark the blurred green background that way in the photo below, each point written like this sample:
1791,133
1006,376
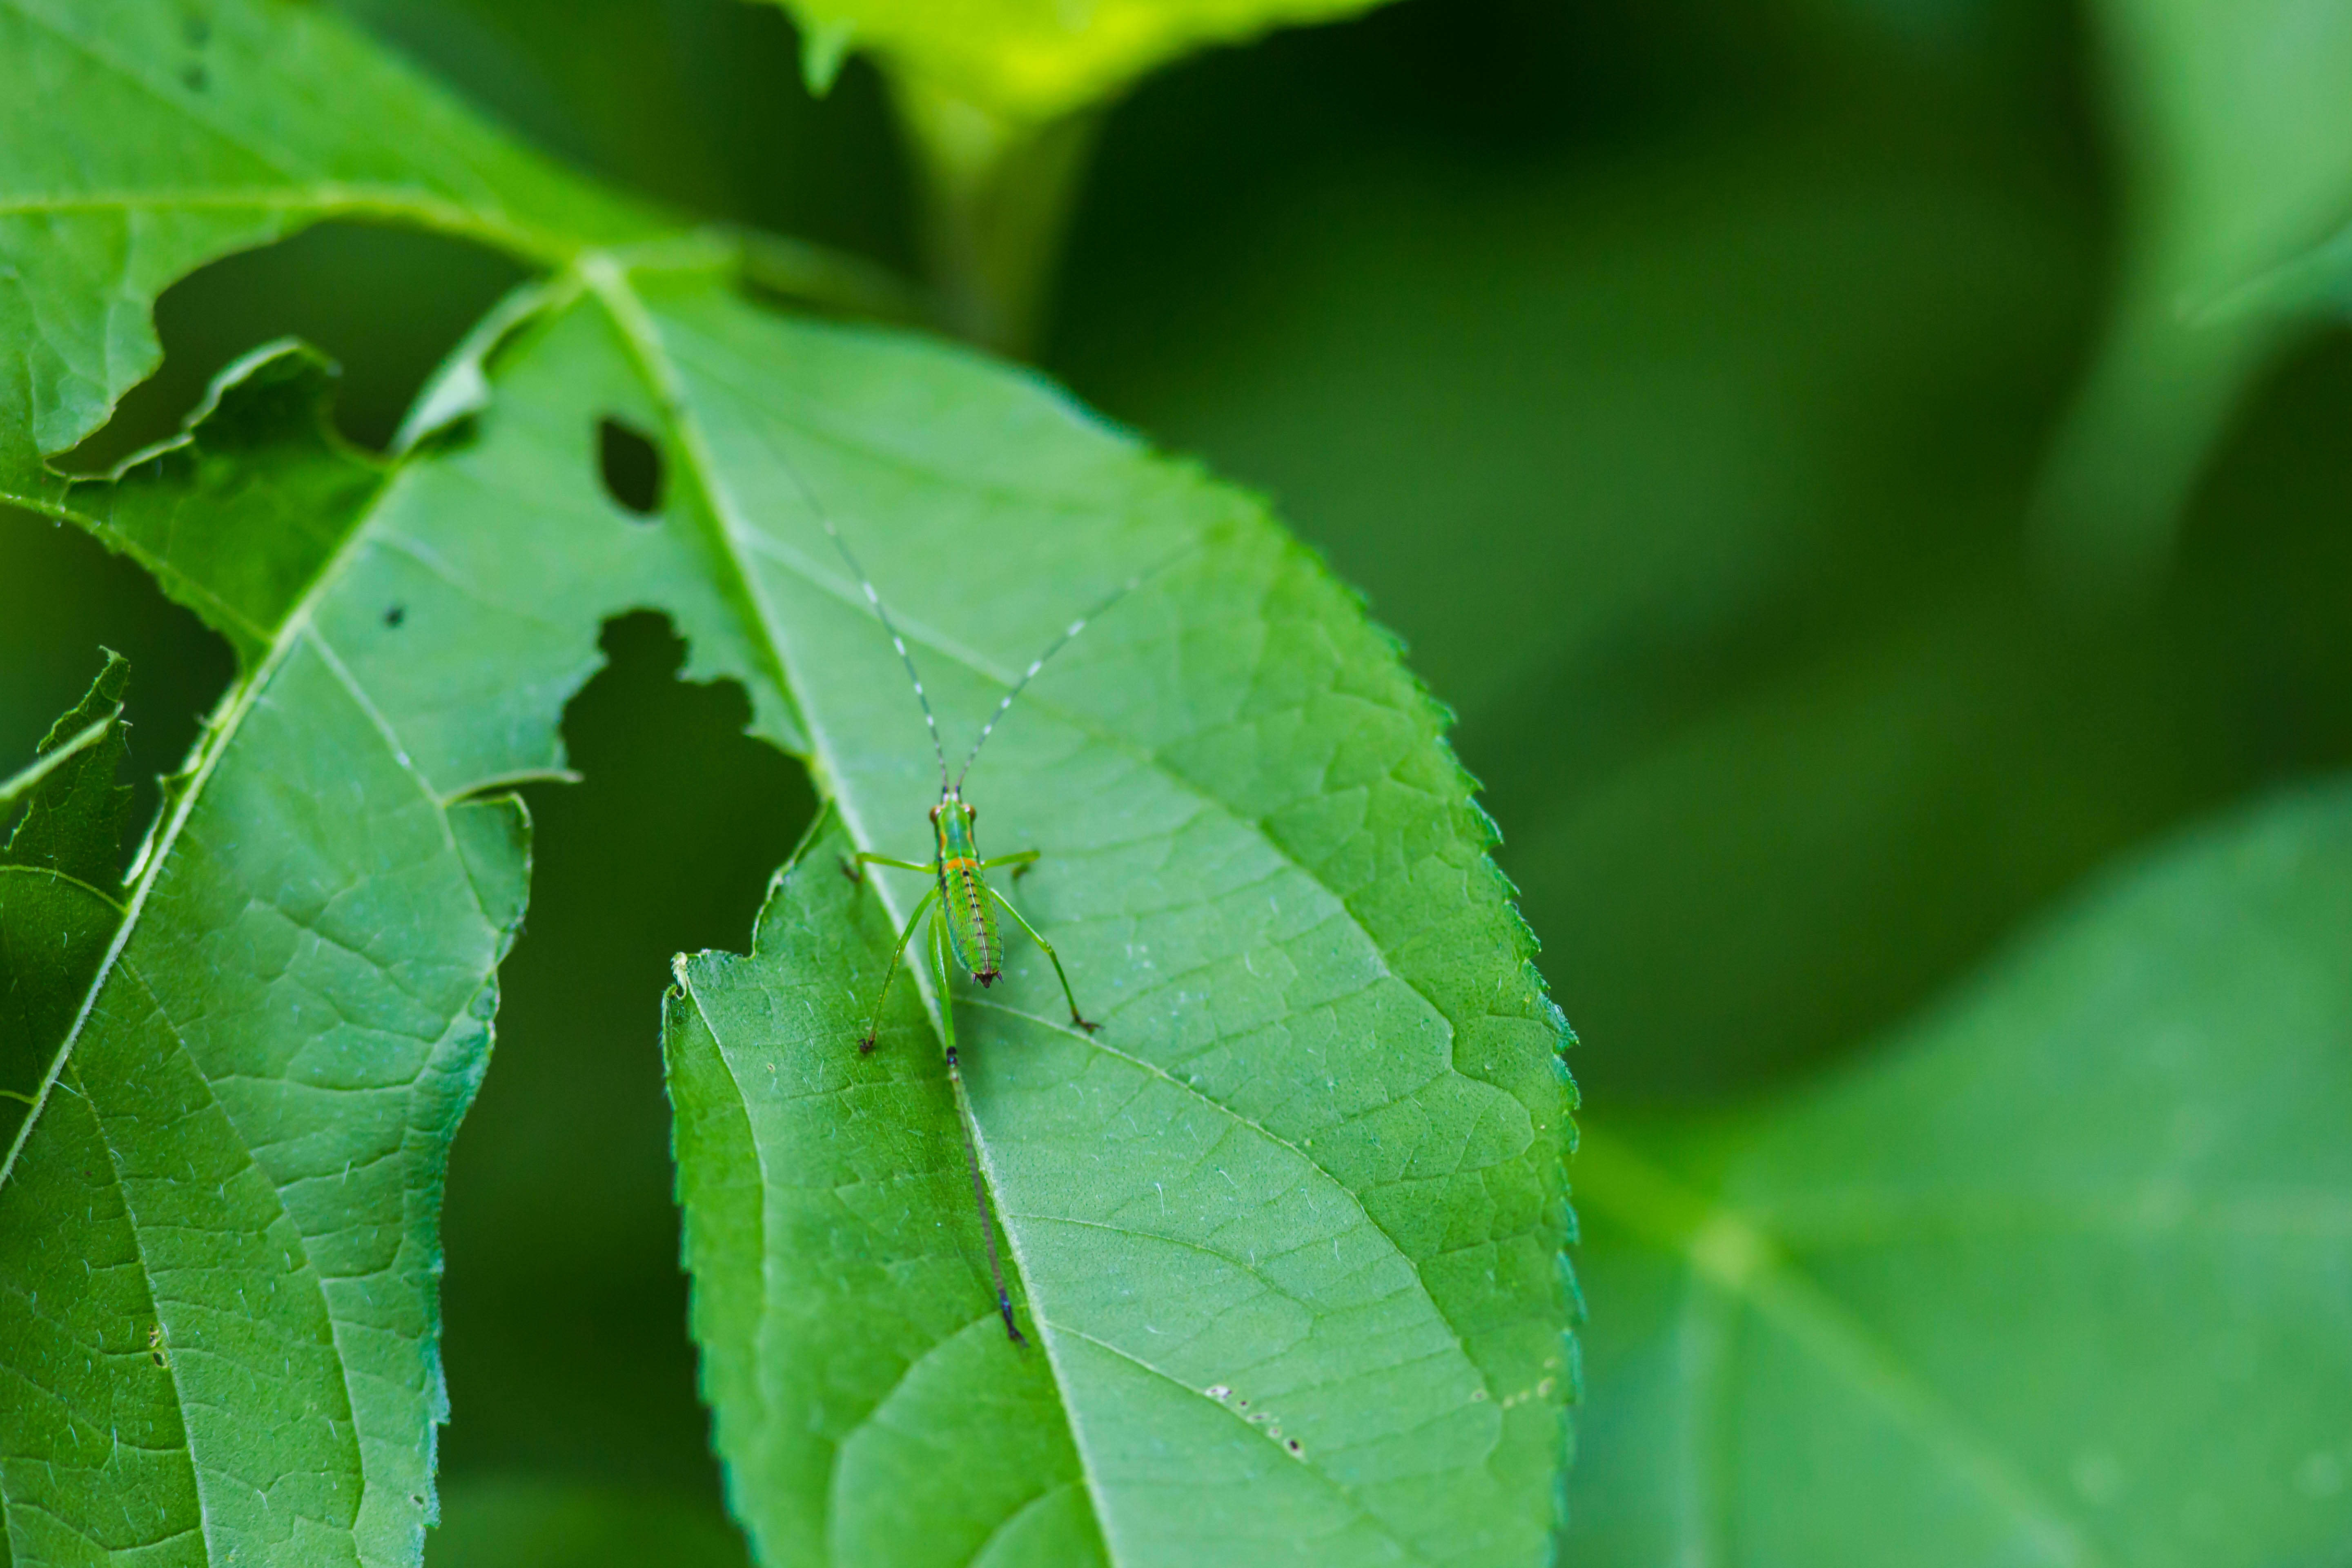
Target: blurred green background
1692,386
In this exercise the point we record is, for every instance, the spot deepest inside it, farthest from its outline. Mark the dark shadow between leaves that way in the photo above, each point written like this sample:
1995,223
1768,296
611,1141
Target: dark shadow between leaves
566,1344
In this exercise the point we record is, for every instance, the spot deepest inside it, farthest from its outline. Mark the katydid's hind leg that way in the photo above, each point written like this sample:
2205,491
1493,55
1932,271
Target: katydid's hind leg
970,1134
1080,1019
874,1025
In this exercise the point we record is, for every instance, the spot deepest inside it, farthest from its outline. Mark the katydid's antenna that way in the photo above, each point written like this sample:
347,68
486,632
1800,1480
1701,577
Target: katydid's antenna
929,721
1061,642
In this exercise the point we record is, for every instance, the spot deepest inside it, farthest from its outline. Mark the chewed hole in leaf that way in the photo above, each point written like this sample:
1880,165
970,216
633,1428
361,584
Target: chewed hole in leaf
666,846
387,304
630,464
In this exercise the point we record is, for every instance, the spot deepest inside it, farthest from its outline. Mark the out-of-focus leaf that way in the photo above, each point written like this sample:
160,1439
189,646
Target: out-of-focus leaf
1033,60
137,141
1831,838
2318,280
2234,131
1740,437
2057,1278
1657,404
514,1523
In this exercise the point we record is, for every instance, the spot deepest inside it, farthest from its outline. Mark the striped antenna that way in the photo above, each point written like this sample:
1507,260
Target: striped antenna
1061,642
930,722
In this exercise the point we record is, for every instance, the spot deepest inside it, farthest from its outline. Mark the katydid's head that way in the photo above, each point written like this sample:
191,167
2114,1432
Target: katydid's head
952,820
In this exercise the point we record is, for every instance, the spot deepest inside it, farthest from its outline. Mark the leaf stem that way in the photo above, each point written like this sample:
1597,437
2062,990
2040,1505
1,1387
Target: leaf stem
996,196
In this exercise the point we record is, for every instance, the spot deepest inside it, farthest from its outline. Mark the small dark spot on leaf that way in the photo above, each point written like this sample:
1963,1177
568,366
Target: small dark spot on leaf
631,466
197,29
1293,1447
195,79
395,615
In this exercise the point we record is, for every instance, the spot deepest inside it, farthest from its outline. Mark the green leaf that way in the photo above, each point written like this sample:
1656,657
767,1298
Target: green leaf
56,881
1033,60
1264,865
137,141
74,812
219,1209
2058,1278
238,525
1274,1309
1244,801
2236,135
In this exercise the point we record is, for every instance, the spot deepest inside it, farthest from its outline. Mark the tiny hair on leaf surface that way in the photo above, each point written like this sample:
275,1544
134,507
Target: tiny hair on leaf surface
2057,1278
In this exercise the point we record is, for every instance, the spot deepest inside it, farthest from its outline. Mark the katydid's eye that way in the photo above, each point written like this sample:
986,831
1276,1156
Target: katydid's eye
935,816
972,813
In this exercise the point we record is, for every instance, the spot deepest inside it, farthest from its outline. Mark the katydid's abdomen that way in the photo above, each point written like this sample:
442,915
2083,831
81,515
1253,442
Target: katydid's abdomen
964,898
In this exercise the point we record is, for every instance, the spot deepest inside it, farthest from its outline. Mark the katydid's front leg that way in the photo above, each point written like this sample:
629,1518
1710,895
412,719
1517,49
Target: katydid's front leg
1052,957
874,1027
962,1093
850,864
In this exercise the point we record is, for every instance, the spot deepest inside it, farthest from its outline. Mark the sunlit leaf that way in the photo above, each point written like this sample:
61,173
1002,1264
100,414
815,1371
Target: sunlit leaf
1037,60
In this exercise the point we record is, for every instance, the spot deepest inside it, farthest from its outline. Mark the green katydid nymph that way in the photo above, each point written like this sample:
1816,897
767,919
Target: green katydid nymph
960,904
